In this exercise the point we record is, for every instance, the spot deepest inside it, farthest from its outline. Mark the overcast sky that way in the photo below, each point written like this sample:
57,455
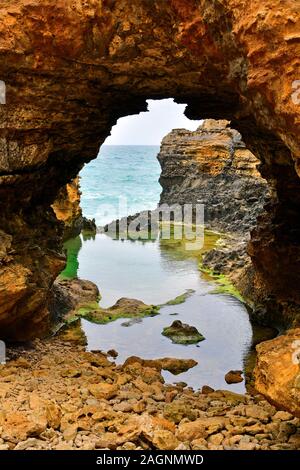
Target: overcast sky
149,128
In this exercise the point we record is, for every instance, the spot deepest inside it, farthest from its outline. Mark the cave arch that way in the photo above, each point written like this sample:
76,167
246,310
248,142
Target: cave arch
71,69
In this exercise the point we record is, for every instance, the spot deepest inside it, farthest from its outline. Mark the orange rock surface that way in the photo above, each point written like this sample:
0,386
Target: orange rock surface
67,208
277,373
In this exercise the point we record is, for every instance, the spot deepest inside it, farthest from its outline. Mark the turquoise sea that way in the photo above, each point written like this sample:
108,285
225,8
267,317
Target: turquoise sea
154,272
127,171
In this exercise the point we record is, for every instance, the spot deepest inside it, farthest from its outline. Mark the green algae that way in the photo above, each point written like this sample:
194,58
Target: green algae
211,239
224,285
94,313
103,316
87,309
72,248
180,299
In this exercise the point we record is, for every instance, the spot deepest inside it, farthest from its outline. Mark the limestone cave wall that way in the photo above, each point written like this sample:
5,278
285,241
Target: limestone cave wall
72,68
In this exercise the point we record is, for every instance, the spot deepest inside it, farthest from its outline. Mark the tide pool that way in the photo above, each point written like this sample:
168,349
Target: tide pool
154,272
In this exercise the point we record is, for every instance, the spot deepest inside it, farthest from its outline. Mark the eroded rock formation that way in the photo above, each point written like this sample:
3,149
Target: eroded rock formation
73,68
67,209
277,372
212,166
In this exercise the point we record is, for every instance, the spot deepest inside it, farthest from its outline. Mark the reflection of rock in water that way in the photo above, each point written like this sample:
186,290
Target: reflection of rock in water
72,248
259,334
89,229
151,226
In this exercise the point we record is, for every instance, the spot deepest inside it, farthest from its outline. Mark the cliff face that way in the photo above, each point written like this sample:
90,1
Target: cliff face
67,209
212,166
73,68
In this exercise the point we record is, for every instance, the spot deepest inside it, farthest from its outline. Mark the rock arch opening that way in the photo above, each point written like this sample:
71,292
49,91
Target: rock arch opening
160,273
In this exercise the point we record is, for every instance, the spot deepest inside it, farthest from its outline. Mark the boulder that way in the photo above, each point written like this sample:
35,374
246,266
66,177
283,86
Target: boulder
103,390
277,371
234,377
182,333
171,364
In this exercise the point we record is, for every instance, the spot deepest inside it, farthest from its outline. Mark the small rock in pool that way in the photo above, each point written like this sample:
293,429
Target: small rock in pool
206,390
112,353
181,333
180,384
234,377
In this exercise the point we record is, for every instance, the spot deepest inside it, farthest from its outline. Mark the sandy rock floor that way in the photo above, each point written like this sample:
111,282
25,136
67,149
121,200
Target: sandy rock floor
54,395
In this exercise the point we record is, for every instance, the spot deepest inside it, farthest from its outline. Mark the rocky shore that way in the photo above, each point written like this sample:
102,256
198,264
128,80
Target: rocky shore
54,395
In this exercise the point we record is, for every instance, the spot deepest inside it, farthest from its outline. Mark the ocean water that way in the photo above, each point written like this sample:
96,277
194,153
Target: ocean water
129,172
154,272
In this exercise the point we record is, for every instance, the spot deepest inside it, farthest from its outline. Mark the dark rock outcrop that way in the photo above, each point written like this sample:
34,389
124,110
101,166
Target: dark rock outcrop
69,295
234,377
212,166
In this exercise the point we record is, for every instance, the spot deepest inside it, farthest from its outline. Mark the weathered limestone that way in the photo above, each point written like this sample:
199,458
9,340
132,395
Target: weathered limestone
212,166
277,373
67,209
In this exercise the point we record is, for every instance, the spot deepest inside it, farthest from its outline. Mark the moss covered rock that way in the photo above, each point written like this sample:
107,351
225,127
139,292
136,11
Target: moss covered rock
182,333
123,308
180,299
